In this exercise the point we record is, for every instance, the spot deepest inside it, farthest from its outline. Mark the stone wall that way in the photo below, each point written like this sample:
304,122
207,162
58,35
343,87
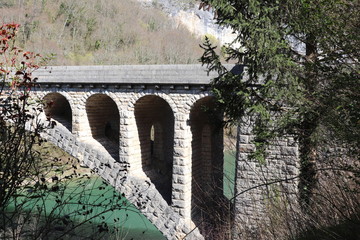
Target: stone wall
258,184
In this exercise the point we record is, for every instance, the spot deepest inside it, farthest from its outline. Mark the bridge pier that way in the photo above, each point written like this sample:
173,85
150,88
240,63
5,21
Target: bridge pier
181,181
128,152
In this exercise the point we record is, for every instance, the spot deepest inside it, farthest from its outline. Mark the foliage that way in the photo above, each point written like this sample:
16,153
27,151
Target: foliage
297,73
116,32
275,48
301,63
17,160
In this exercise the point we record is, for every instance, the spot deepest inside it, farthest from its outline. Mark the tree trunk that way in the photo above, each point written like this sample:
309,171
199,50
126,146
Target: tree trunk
308,145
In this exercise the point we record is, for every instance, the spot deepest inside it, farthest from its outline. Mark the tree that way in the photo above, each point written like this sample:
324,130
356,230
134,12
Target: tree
42,196
297,73
17,158
301,61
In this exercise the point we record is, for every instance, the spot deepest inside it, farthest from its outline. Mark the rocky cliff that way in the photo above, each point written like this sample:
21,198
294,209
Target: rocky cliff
186,13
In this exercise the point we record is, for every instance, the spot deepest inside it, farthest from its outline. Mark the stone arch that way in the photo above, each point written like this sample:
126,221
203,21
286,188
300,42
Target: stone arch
193,98
155,124
58,108
207,158
168,99
104,122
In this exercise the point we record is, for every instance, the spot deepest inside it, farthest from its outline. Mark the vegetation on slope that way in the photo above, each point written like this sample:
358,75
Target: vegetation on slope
95,32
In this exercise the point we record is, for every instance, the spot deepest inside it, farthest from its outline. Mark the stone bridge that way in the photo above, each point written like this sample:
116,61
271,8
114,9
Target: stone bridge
153,133
150,131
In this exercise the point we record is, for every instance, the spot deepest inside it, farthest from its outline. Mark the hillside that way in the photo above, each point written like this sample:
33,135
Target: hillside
94,32
197,21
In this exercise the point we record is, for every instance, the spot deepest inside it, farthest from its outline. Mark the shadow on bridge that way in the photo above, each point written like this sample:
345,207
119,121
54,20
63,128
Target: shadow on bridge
104,120
207,164
58,108
155,124
102,114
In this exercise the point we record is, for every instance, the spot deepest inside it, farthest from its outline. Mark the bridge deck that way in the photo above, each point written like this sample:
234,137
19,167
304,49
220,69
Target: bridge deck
132,74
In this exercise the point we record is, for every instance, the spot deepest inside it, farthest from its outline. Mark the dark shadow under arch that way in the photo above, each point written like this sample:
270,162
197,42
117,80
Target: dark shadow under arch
104,122
207,160
155,124
58,108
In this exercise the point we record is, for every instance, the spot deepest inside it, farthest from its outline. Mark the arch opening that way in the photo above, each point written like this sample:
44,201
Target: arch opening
104,121
155,124
207,162
58,108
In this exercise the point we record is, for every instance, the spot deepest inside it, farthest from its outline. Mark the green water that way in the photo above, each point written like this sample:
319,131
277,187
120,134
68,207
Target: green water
89,201
229,174
128,220
95,195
